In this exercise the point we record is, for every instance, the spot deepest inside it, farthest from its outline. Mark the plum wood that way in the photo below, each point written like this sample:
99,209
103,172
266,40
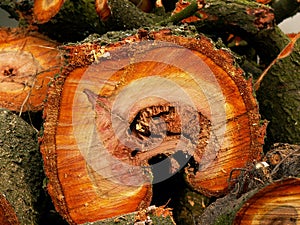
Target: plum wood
28,61
277,203
7,213
152,95
44,10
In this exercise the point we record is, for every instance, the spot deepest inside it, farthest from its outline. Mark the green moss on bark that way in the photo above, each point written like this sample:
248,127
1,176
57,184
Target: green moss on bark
279,98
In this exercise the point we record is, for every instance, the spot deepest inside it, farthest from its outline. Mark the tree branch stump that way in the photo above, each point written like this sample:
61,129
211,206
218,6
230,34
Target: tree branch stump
161,100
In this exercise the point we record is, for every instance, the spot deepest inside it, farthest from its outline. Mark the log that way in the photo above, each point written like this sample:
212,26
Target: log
44,10
256,24
123,111
150,215
278,203
245,18
28,61
20,168
279,96
7,213
272,178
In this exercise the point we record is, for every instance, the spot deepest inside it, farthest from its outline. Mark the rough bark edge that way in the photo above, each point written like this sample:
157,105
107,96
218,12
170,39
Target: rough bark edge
49,152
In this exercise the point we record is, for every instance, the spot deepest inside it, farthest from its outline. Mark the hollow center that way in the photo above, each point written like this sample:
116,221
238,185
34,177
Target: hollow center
165,191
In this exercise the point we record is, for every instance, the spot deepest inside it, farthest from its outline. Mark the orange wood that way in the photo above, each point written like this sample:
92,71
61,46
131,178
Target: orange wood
7,213
79,113
277,203
44,10
28,62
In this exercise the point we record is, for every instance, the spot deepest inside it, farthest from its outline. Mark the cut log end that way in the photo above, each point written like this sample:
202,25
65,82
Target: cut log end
28,61
277,203
103,9
7,213
133,110
44,10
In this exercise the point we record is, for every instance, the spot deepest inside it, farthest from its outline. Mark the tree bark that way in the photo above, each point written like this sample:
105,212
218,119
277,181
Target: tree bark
279,99
80,119
28,61
21,167
284,9
246,18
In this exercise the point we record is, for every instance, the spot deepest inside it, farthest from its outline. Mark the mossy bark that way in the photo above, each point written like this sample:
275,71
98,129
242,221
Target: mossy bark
20,167
279,98
223,210
284,9
75,21
78,18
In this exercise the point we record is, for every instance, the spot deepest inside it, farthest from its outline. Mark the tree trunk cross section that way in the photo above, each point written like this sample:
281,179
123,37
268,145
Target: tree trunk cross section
153,94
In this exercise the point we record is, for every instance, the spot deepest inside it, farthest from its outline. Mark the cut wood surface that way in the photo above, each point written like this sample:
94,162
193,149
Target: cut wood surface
278,203
150,215
28,61
7,213
44,10
115,110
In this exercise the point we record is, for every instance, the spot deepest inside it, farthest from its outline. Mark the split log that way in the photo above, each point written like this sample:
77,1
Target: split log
20,168
278,203
123,111
28,61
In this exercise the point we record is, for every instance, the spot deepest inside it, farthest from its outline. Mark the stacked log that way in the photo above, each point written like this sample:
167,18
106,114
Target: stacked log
28,61
95,167
129,110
